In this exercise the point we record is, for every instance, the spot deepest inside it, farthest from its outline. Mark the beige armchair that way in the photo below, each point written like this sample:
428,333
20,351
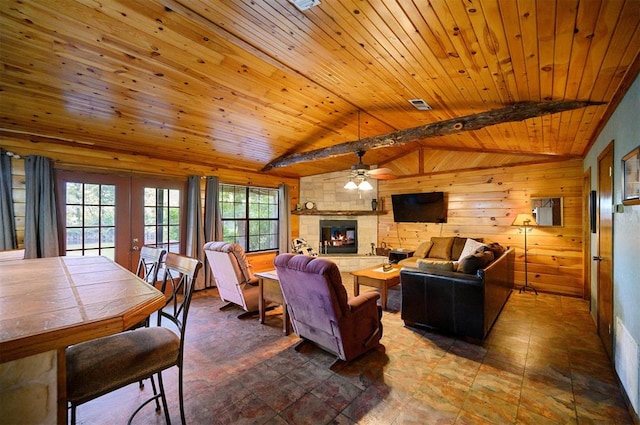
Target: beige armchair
233,275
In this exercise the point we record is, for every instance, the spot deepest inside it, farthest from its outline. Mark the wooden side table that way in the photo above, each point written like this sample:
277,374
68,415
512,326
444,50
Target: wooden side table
269,290
395,256
377,278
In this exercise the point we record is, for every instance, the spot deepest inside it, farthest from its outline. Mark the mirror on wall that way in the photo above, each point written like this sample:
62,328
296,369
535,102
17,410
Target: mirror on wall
547,210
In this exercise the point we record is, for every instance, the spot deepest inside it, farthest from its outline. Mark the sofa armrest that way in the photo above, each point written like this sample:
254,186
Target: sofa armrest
356,303
447,301
498,284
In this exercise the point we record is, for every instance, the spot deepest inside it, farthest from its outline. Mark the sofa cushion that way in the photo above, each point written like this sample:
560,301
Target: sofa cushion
470,247
441,247
423,250
474,262
431,264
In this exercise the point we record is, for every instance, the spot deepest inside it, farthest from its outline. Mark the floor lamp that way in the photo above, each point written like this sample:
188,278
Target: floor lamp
525,221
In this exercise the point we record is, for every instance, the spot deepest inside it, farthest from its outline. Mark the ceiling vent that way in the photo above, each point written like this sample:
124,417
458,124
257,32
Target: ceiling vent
303,5
420,104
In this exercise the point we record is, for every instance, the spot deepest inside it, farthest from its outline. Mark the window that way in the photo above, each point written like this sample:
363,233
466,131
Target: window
162,218
249,217
90,219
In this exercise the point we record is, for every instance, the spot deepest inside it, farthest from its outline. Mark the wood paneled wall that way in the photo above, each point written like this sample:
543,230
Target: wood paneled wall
100,161
484,203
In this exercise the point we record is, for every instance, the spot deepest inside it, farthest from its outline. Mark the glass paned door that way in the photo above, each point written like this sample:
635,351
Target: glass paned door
115,216
158,215
90,219
162,218
93,215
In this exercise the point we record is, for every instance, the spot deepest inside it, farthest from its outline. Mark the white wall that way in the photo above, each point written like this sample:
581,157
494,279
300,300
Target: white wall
624,129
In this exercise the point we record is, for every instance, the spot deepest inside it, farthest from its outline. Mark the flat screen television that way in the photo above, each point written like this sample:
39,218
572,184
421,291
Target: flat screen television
428,207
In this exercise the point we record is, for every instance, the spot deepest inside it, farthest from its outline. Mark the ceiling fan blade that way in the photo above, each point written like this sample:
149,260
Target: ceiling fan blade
380,171
383,176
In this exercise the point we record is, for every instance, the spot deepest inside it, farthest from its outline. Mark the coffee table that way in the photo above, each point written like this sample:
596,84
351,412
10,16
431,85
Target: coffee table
377,278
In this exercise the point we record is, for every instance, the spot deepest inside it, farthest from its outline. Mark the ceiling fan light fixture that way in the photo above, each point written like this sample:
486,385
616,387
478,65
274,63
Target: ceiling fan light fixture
365,185
351,185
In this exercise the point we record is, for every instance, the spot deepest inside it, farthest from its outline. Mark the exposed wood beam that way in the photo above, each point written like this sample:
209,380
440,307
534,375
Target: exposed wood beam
521,152
516,112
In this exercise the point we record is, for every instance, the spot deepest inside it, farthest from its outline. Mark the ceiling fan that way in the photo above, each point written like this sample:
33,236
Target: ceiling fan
361,171
364,170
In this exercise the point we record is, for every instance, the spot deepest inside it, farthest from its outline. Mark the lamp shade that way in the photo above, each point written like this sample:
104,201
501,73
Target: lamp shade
365,185
524,219
351,185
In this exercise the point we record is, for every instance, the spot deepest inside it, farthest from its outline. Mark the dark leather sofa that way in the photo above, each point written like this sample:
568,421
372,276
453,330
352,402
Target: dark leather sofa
455,303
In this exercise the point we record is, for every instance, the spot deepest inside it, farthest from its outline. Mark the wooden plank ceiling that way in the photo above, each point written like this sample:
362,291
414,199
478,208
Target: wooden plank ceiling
236,84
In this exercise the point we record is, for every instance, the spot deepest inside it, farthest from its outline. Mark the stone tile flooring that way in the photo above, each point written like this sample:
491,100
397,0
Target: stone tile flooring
541,364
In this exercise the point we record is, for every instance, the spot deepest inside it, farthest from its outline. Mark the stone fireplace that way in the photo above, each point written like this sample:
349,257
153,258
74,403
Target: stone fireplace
328,193
339,236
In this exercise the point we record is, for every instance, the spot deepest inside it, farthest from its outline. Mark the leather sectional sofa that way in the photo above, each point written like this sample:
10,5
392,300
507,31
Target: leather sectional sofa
460,304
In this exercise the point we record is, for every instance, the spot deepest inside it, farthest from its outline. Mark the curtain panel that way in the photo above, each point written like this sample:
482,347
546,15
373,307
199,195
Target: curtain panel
212,221
8,237
195,231
284,215
41,230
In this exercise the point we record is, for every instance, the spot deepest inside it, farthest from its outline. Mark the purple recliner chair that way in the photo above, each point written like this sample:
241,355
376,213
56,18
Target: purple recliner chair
321,311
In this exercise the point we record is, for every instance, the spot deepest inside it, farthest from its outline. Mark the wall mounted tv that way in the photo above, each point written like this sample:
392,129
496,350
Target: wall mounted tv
428,207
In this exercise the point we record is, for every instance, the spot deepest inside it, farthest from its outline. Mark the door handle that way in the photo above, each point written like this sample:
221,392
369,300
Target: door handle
597,258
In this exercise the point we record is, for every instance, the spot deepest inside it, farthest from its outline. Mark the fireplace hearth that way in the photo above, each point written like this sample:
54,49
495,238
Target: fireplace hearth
339,236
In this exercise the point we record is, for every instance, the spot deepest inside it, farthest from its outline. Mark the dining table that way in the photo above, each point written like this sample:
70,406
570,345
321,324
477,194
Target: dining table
48,304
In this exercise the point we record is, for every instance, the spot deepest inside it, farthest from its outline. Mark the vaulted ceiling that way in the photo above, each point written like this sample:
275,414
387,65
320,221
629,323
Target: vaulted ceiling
237,84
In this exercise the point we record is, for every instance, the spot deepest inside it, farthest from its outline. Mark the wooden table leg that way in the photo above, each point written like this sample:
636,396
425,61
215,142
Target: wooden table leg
383,290
356,286
261,309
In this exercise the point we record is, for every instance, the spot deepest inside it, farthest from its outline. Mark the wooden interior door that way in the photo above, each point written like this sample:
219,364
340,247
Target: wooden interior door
604,256
586,234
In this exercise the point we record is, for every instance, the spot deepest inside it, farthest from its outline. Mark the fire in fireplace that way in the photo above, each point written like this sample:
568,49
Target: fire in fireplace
339,236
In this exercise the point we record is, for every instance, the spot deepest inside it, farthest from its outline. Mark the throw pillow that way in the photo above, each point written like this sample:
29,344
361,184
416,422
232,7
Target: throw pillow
423,249
470,247
441,247
429,264
458,246
472,263
497,249
456,249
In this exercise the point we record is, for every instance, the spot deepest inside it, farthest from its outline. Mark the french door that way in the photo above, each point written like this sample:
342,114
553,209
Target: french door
114,216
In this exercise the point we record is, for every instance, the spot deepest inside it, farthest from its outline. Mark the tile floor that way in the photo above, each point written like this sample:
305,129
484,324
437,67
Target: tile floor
541,364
